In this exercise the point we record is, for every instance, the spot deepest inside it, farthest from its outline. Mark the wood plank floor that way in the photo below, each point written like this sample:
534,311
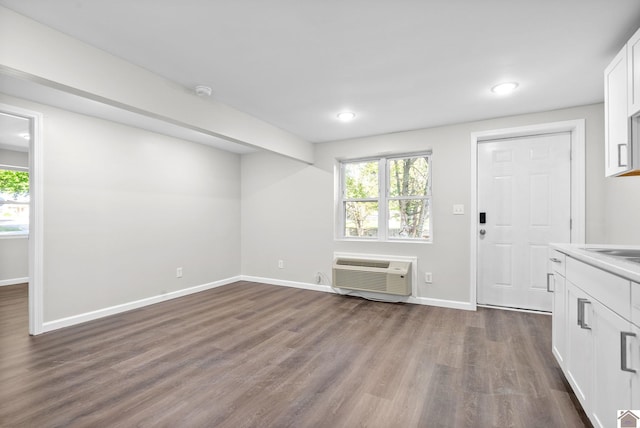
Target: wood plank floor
255,355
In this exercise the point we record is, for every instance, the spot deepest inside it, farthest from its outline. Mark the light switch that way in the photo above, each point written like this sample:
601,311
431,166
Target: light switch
458,209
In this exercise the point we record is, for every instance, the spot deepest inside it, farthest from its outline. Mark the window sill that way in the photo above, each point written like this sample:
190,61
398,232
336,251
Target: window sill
14,235
387,241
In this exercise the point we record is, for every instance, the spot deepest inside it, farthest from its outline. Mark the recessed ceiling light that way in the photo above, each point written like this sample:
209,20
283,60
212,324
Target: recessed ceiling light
346,116
203,91
504,88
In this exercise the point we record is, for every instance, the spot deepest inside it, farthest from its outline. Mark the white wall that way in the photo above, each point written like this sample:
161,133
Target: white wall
14,158
123,208
287,207
622,210
14,258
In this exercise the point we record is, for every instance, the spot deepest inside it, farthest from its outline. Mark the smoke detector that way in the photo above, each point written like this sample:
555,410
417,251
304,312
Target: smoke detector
203,91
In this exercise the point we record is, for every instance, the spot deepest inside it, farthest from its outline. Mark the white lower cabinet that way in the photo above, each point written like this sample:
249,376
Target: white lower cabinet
556,284
612,384
579,362
601,347
558,333
634,346
635,365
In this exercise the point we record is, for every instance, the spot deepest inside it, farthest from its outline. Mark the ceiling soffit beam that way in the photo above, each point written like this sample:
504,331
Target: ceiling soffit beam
32,51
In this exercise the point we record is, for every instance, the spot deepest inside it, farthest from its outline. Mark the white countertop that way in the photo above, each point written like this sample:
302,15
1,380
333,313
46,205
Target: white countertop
615,265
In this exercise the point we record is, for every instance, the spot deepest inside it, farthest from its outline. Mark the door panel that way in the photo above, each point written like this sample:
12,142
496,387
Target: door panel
524,187
537,263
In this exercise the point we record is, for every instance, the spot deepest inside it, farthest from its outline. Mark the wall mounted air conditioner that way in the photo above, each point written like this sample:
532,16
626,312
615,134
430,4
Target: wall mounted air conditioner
380,276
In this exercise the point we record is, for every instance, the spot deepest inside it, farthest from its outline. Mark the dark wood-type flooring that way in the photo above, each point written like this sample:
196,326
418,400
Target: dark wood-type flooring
255,355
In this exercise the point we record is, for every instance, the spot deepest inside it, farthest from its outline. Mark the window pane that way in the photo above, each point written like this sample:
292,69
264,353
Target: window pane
361,219
409,219
14,201
409,176
361,180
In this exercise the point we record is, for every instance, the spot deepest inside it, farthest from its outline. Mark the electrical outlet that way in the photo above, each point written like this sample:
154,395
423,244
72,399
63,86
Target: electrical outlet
179,272
280,264
458,209
428,278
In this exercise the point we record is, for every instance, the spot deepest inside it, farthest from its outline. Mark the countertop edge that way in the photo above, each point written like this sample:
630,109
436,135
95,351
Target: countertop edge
624,269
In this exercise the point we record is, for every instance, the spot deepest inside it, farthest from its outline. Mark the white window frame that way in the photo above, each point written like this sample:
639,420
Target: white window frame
383,198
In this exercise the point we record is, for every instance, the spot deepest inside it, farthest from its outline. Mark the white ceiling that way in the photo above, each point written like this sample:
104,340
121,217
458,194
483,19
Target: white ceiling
400,65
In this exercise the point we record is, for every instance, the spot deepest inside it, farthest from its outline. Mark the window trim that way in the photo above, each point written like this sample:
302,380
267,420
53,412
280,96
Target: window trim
14,168
382,199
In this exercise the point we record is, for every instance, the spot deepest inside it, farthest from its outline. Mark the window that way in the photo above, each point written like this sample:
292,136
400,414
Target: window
14,202
386,198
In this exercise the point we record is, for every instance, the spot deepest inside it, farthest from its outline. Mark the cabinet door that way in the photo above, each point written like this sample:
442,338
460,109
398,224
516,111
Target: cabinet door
635,365
634,346
559,324
613,385
633,73
616,118
579,344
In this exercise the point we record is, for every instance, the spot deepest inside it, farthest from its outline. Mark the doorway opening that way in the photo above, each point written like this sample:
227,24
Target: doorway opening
32,133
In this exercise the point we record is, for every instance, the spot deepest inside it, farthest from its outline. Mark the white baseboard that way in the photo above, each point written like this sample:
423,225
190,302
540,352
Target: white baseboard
442,303
14,281
453,304
100,313
284,283
504,308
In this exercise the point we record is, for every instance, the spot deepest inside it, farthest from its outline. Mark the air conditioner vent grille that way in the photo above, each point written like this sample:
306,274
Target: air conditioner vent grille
363,263
359,280
381,276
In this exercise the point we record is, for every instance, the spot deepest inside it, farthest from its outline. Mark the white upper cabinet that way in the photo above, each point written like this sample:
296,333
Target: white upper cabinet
633,74
622,111
616,119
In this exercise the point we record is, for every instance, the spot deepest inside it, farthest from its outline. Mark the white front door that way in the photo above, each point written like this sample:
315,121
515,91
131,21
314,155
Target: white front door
524,199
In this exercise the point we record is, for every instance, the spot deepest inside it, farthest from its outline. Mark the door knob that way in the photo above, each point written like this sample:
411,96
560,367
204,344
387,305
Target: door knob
483,232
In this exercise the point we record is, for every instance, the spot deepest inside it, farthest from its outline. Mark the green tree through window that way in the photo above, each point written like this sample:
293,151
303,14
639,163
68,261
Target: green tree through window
408,202
14,183
361,191
14,202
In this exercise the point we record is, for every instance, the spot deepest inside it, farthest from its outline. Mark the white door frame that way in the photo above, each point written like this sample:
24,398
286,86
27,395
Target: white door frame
36,241
578,184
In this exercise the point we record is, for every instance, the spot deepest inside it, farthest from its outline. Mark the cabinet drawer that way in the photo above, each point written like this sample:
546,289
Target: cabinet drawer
635,303
611,290
557,262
